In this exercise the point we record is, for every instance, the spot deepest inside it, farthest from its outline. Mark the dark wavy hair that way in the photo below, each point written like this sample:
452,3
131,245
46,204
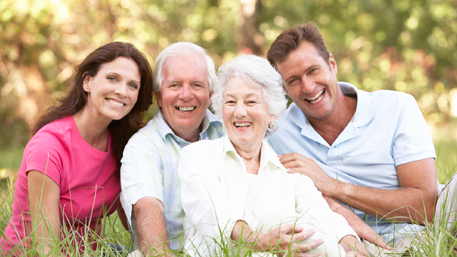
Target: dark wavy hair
121,130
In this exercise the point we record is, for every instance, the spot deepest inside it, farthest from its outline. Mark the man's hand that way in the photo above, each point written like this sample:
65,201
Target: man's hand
297,163
360,227
366,232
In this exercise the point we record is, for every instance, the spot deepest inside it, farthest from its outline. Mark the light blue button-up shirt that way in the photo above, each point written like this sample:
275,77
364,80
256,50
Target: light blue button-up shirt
387,130
150,168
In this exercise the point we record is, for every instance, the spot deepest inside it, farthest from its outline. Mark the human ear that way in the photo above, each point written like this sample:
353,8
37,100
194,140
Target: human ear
158,96
209,102
272,118
86,83
333,65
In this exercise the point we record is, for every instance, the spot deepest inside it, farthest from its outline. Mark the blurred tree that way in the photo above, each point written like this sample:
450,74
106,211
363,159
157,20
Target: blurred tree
405,45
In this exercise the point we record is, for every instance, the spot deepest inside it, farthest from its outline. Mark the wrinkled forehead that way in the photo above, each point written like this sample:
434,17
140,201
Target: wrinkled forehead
191,68
192,61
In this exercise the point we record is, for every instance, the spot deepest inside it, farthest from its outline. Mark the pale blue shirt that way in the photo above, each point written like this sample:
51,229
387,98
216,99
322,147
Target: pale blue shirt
150,168
387,130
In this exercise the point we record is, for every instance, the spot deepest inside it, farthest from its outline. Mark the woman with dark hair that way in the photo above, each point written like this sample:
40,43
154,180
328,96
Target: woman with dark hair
69,176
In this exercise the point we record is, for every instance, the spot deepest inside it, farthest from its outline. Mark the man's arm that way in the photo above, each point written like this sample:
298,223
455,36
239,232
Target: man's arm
151,233
360,227
413,202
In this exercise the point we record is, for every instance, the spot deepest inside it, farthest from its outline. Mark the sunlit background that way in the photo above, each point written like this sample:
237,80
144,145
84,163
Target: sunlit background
404,45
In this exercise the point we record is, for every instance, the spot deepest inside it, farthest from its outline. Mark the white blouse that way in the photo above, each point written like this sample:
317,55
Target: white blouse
217,191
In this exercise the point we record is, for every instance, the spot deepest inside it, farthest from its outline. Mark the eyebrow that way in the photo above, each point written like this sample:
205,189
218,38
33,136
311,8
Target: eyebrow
178,80
119,75
248,95
307,69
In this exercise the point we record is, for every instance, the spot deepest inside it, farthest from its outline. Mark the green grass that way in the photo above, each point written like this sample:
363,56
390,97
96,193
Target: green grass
114,233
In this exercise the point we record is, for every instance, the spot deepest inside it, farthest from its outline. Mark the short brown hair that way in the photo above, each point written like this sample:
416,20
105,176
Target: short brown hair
290,39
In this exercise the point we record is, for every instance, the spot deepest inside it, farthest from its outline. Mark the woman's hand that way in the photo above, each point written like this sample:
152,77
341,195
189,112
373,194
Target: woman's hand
286,239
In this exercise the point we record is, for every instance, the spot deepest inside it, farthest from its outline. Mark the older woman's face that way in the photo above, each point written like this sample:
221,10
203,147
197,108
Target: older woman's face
245,113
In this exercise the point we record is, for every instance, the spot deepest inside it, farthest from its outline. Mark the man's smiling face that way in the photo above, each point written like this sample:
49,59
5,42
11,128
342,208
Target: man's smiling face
310,81
185,93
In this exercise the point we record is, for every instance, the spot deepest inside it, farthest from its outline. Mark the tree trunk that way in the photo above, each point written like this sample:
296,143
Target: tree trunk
251,40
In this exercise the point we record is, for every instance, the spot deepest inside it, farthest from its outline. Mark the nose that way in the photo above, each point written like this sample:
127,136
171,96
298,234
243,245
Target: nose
308,85
121,90
186,93
240,110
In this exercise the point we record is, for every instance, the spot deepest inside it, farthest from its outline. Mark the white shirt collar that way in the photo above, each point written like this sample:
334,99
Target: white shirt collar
267,154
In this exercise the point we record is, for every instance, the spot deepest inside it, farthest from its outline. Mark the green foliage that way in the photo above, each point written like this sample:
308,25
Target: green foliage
405,45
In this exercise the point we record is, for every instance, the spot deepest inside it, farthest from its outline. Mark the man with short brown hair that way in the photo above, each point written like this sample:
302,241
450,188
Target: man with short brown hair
371,151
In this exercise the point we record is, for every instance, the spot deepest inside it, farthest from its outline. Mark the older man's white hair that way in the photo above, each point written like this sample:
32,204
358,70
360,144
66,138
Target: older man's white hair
257,72
180,49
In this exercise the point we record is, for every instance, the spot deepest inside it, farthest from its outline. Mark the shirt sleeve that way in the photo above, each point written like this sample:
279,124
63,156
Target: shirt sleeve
412,139
141,172
210,213
311,205
44,154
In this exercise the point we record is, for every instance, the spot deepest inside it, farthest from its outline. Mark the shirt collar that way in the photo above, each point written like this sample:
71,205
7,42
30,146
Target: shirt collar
267,154
163,128
364,111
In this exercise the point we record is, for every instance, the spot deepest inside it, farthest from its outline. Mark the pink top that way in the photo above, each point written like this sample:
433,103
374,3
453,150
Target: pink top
89,187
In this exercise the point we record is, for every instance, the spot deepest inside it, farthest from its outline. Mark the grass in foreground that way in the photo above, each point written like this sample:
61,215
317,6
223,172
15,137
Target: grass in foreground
113,233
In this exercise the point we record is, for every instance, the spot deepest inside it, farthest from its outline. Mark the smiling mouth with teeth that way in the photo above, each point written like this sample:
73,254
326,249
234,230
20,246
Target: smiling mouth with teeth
316,98
115,102
242,124
185,109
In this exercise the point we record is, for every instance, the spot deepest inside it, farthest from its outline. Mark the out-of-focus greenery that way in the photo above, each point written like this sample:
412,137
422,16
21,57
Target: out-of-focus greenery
405,45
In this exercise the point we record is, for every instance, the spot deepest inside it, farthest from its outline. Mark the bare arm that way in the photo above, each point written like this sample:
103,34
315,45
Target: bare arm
360,227
150,226
414,201
44,200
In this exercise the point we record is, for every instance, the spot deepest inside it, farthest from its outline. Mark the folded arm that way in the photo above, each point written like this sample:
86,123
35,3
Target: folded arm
414,201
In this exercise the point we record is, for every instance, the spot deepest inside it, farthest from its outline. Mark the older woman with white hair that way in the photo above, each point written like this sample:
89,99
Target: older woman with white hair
235,188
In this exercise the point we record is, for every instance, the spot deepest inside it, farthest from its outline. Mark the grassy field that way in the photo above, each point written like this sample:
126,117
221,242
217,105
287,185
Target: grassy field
445,139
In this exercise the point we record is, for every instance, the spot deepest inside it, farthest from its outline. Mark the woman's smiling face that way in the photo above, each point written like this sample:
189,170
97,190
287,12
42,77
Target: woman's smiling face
113,91
245,113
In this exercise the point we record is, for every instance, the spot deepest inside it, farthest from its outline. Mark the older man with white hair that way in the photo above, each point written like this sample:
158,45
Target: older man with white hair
184,77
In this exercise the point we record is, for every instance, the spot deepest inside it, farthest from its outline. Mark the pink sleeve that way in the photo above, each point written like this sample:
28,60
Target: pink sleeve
46,153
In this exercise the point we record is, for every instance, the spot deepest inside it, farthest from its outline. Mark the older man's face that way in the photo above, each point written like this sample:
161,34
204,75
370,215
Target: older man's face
185,94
